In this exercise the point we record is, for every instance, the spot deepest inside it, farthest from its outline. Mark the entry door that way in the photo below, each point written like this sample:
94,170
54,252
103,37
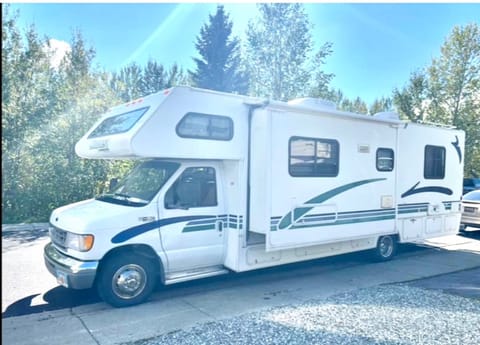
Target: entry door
193,217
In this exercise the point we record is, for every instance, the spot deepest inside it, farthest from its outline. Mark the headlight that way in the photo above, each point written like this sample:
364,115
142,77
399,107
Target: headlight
81,243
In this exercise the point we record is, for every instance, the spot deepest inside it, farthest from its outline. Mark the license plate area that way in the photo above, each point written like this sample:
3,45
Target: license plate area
469,209
62,279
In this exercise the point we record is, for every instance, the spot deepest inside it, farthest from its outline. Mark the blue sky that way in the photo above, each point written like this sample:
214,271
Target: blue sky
375,45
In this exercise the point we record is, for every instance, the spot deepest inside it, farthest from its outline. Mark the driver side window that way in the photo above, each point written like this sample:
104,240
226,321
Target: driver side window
196,187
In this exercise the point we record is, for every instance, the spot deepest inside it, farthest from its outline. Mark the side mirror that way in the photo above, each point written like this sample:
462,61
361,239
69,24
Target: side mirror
112,184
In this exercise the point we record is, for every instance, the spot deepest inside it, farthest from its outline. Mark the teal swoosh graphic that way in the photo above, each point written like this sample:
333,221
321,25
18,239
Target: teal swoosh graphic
285,222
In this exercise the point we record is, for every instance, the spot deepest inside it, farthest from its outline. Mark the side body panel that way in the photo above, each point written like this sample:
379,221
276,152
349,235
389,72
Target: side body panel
430,179
298,211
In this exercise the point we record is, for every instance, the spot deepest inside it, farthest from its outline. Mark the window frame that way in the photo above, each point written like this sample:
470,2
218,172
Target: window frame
210,117
432,166
315,173
392,157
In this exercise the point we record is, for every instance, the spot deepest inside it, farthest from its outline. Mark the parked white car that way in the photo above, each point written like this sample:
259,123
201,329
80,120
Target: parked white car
471,209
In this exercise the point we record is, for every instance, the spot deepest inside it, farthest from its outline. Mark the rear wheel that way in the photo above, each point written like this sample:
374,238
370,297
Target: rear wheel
386,248
126,280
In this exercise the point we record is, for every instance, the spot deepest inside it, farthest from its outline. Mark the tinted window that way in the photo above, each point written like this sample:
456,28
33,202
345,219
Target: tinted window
385,159
310,157
196,187
118,124
434,167
204,126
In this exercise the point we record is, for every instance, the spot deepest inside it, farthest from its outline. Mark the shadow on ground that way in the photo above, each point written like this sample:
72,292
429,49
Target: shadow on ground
24,236
57,298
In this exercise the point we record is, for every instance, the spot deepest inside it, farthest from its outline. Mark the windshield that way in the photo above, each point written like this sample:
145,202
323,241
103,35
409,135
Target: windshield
472,196
140,186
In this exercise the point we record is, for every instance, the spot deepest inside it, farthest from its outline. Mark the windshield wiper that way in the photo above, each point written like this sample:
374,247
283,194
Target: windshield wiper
130,198
126,196
123,198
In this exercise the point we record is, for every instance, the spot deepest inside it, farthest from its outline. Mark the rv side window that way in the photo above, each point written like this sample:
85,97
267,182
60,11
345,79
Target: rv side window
434,166
118,124
385,159
310,157
196,187
204,126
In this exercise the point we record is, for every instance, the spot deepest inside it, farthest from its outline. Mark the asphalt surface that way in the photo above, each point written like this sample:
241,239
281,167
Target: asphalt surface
446,274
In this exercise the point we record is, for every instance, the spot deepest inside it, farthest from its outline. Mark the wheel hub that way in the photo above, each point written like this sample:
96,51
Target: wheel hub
129,281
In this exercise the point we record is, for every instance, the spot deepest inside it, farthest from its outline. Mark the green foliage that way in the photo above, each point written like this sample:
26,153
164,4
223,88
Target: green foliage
448,91
279,52
411,101
380,105
128,83
45,110
343,103
219,67
133,82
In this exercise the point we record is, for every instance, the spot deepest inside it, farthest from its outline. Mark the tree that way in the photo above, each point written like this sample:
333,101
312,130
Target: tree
176,76
128,83
380,105
412,100
356,106
448,91
154,78
343,103
29,100
219,65
45,110
133,82
279,52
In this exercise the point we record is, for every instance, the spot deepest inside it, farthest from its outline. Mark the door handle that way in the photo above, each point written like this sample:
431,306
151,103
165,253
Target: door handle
219,225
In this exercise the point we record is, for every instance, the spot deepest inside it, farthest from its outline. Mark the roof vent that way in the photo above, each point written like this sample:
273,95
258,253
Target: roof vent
387,115
313,103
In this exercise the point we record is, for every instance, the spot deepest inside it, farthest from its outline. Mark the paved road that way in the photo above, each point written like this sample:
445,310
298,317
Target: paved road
29,288
59,316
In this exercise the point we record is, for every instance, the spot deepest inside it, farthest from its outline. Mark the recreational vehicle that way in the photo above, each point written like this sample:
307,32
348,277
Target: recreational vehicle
228,183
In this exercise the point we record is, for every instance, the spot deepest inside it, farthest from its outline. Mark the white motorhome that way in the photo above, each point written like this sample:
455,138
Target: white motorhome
231,183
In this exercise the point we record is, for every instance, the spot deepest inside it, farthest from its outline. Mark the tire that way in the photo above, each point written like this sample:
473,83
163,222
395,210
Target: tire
386,248
126,279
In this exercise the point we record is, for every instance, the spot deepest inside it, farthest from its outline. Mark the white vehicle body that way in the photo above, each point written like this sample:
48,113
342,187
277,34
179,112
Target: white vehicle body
288,182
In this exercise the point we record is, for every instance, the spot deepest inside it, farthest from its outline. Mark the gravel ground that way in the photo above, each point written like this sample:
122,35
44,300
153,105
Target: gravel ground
389,314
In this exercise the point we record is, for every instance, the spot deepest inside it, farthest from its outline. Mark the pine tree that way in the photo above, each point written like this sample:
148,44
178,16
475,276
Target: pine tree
219,65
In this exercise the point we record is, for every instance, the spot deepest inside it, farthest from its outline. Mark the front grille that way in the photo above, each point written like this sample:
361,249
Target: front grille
58,236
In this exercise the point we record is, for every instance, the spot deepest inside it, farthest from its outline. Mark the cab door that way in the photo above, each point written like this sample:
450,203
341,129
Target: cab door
193,218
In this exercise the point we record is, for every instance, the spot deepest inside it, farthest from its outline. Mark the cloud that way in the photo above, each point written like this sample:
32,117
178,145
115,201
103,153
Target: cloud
57,50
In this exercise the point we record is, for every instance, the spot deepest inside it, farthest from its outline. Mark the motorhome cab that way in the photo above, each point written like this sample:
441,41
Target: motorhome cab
230,183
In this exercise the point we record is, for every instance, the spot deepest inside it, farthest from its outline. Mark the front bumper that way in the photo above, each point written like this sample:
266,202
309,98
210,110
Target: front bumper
70,272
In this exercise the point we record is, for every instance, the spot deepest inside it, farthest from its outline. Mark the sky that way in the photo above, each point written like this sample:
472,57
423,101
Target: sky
376,46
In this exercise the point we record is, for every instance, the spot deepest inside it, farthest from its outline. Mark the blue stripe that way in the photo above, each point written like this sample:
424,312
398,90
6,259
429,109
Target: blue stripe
301,211
130,233
357,216
430,189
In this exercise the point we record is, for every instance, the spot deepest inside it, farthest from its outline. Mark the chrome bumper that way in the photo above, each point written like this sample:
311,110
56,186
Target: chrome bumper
70,272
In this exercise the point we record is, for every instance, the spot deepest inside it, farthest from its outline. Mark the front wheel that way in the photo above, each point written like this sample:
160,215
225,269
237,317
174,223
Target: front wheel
126,280
386,248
